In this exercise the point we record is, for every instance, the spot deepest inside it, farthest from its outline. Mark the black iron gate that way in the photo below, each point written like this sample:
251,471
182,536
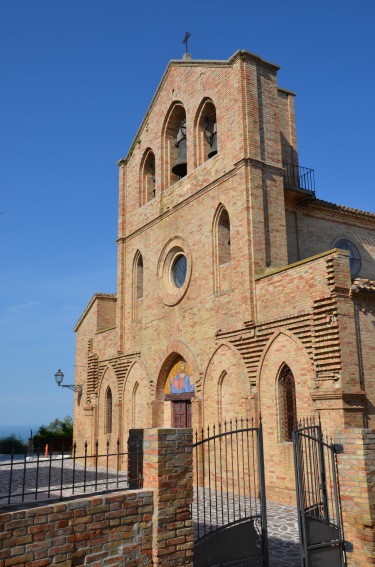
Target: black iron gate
229,508
318,499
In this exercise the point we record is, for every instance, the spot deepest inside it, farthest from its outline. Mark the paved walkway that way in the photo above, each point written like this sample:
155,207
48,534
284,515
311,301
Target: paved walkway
283,536
44,479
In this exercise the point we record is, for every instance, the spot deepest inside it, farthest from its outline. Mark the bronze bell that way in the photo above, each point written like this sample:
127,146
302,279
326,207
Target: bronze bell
180,166
210,133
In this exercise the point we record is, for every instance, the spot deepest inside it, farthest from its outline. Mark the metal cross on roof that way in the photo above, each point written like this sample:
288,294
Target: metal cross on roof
186,39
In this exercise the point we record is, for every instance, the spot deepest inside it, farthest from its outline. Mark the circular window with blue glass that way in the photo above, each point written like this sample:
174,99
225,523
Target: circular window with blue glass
179,270
174,270
354,256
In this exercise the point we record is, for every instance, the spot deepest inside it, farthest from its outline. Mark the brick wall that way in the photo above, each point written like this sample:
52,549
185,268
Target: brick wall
151,526
100,530
315,227
356,466
364,306
168,468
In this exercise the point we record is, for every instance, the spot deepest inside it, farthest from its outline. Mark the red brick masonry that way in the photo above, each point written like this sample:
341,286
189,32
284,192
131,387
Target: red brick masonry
357,475
151,526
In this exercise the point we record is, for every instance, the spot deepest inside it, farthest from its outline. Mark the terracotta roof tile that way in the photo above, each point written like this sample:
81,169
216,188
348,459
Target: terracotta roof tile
319,203
360,284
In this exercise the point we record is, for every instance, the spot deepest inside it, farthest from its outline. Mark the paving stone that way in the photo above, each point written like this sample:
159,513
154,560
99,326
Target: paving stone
283,535
45,476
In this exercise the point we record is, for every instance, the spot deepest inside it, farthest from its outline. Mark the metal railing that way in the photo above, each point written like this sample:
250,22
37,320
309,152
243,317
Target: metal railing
298,177
25,478
318,497
229,480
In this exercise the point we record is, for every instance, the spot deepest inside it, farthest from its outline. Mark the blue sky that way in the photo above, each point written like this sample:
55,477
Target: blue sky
76,79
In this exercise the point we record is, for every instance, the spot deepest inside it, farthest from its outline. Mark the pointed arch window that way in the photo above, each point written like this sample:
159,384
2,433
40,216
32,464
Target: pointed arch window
287,403
140,277
148,178
222,250
135,396
221,399
223,238
108,411
137,284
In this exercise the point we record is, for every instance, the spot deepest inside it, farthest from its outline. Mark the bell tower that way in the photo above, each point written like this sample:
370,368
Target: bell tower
215,135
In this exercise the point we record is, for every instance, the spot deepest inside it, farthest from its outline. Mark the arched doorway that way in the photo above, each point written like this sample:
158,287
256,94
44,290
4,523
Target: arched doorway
179,390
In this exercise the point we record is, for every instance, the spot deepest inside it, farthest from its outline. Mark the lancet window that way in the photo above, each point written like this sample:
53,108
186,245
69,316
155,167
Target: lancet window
137,284
108,411
148,178
287,403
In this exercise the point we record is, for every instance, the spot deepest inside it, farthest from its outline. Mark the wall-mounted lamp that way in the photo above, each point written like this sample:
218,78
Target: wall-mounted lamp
59,377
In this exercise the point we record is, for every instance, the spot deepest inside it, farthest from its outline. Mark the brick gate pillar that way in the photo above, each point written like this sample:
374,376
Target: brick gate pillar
356,466
168,470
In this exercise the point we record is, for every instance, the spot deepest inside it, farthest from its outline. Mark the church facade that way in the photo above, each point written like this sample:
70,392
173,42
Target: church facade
239,292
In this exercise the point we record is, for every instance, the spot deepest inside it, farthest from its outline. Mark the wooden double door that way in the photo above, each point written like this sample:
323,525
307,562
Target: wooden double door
181,414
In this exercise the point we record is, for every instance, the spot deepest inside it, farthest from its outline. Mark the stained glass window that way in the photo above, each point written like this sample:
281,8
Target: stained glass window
355,259
108,411
287,400
179,269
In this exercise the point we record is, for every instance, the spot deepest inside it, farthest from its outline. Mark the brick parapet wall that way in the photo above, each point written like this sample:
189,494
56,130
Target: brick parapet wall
98,530
149,526
356,466
168,469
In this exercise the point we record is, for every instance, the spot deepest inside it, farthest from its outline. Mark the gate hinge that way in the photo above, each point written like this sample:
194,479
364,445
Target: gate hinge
348,546
339,448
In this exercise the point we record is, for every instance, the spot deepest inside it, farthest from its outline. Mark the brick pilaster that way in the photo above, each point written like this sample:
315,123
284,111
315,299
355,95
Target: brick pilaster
356,467
168,469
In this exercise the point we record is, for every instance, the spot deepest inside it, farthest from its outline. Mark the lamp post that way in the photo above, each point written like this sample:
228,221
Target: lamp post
59,377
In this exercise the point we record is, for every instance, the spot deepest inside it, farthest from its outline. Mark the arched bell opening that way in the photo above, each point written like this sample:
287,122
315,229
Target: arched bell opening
148,178
175,145
206,132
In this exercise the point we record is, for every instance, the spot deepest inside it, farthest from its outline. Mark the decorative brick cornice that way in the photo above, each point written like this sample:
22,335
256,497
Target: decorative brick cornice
296,264
334,209
260,164
245,55
120,365
286,91
190,198
350,399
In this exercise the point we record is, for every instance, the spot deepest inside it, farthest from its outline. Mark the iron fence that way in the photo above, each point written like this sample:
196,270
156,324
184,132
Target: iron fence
40,476
318,496
229,485
299,177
